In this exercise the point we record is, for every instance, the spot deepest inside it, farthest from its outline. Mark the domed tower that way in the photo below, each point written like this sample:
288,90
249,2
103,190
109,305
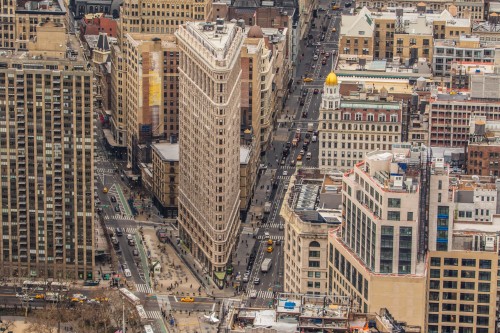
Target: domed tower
331,94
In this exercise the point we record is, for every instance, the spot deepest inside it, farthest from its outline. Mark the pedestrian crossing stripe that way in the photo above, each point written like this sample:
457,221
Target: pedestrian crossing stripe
123,217
104,170
262,293
273,237
126,230
154,314
274,225
284,177
143,288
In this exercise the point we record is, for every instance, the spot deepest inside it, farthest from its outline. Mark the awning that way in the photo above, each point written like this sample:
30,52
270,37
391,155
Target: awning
109,137
220,275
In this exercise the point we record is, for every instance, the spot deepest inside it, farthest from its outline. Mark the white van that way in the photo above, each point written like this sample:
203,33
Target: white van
314,138
127,272
253,294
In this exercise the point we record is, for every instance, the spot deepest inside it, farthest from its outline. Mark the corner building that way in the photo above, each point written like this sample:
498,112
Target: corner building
209,152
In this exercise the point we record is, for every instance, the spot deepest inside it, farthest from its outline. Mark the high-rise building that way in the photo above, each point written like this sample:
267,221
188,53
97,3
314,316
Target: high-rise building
209,138
47,142
377,252
352,126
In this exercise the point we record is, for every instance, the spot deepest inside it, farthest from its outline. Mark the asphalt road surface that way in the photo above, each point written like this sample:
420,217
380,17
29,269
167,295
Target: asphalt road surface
299,116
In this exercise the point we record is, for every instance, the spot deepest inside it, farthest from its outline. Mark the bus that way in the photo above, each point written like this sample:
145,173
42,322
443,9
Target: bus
130,296
59,286
34,285
141,312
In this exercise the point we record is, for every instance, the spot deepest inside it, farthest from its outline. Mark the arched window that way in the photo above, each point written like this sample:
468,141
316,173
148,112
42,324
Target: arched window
370,117
314,244
358,116
381,117
394,118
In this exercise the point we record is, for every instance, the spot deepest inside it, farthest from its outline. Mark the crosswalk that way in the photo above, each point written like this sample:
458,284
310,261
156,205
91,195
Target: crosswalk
154,314
283,177
274,225
119,217
143,288
262,293
104,170
128,230
273,237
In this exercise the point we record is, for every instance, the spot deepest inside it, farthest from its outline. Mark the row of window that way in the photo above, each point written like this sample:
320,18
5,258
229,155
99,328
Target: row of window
483,263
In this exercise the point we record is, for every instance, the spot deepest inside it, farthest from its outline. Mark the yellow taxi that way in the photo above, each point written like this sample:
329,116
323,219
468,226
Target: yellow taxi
187,299
76,300
299,158
102,299
308,79
335,7
269,242
334,30
269,249
40,296
105,190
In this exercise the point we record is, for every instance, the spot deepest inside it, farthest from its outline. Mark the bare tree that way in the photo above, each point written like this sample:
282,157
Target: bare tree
5,325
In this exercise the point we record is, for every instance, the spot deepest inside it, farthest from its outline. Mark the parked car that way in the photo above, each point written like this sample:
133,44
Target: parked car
187,299
117,209
112,198
256,281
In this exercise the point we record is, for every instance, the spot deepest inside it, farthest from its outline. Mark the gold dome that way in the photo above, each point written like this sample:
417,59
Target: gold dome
331,79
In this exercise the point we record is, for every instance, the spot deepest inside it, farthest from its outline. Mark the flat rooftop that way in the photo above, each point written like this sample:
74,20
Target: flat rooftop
374,69
55,7
216,37
170,152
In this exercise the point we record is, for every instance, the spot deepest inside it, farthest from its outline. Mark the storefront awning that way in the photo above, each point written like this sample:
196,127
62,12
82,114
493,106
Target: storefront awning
220,275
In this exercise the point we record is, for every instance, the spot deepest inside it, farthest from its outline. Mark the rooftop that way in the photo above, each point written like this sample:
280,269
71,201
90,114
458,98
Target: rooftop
216,37
55,7
382,69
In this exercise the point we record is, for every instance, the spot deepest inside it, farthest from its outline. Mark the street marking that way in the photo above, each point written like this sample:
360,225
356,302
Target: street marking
143,288
154,314
175,298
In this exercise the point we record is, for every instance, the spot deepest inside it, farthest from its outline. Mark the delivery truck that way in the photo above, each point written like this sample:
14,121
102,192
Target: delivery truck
266,265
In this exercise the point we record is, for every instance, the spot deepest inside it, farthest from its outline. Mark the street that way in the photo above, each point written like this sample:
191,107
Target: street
294,116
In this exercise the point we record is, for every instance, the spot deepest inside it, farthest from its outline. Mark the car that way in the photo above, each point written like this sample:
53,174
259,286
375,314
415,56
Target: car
105,190
322,38
93,301
304,93
305,146
299,158
323,62
308,79
124,266
253,294
347,5
245,278
135,253
334,30
317,44
285,173
187,299
321,9
266,235
304,114
278,242
117,209
131,242
292,163
288,145
315,57
269,249
19,295
323,51
119,232
39,296
302,152
102,299
283,161
114,240
308,135
27,298
308,156
286,152
129,236
269,242
316,91
112,198
256,281
127,272
327,55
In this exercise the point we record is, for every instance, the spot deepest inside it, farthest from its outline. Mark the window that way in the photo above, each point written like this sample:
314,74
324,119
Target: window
434,296
467,285
482,309
314,244
469,262
466,297
435,261
466,308
483,321
317,275
434,284
449,307
483,298
393,216
466,319
433,307
450,284
409,216
313,263
484,287
485,276
450,261
435,273
485,264
450,273
469,274
314,254
394,202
